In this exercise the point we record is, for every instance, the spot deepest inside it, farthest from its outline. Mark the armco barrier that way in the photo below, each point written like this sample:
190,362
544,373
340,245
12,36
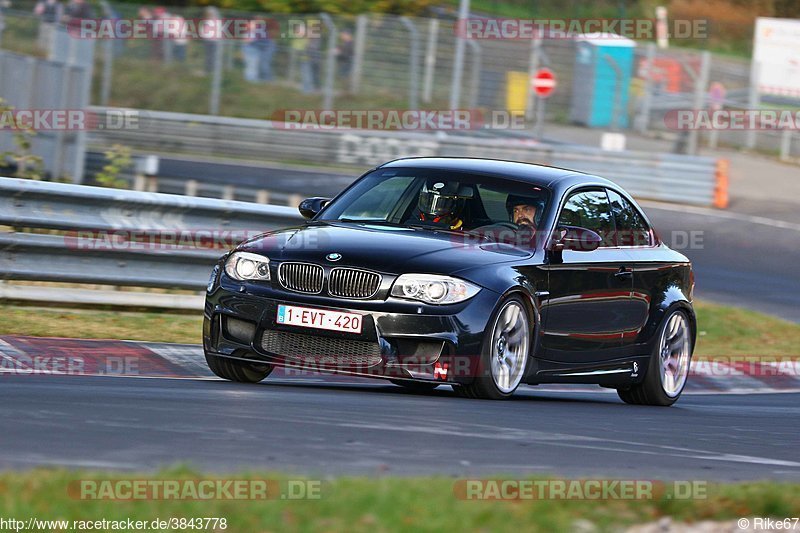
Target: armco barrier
93,224
657,176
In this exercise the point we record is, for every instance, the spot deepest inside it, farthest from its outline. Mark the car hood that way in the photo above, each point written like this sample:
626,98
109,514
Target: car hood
382,248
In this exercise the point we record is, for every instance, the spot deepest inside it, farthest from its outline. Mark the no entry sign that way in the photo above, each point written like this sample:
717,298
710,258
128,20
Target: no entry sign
543,82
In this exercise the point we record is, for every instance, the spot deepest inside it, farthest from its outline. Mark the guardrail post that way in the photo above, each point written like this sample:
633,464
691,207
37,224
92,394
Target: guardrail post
262,197
190,188
358,53
330,62
413,64
430,60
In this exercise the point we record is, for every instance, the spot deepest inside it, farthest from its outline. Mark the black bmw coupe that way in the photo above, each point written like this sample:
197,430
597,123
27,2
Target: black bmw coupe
474,273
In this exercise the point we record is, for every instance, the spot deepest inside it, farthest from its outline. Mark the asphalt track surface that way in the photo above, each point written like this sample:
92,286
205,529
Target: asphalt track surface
739,258
316,426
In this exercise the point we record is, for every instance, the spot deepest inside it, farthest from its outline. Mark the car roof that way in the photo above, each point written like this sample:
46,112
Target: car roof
542,175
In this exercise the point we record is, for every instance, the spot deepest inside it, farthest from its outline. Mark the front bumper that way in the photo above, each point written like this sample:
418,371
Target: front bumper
399,339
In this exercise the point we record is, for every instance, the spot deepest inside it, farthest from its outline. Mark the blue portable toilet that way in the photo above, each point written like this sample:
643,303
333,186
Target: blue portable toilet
603,68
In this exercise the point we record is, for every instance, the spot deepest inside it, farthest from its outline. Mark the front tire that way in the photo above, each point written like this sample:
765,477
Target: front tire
504,356
239,371
669,365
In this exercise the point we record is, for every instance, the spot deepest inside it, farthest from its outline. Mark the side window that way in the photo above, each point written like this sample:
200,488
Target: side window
590,210
632,230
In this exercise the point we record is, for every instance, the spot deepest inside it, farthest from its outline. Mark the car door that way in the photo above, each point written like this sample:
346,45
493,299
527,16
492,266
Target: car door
636,238
587,309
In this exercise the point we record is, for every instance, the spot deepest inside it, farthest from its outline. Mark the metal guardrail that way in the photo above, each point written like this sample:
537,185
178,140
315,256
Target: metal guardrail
122,238
670,177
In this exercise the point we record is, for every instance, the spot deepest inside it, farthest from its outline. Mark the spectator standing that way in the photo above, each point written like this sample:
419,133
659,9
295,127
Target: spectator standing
49,13
315,58
344,54
153,36
181,41
76,11
173,41
251,53
267,46
300,46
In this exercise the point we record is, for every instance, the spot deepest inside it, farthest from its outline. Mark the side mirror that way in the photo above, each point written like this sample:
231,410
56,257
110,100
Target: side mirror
311,206
576,239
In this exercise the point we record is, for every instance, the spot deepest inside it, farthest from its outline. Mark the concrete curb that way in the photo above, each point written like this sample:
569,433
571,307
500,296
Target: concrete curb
21,355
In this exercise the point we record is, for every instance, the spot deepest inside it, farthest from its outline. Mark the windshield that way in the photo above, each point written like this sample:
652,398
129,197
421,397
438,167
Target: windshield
442,200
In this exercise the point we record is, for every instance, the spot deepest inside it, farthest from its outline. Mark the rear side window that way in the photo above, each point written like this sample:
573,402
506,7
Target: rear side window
632,229
590,210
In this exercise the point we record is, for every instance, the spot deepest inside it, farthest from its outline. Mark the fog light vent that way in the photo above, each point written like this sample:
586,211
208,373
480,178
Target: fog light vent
239,330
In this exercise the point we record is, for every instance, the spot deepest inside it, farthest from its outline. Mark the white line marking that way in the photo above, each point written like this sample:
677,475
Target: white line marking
727,215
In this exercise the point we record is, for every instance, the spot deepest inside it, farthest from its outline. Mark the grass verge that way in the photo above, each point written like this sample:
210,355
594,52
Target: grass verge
91,324
386,504
722,331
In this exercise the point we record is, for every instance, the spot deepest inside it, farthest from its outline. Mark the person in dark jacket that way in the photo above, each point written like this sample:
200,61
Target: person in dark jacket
49,13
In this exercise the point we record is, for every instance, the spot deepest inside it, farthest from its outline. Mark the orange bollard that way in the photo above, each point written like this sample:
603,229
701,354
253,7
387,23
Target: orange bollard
721,185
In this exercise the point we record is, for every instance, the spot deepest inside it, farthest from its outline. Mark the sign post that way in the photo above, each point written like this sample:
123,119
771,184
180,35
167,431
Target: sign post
716,101
543,84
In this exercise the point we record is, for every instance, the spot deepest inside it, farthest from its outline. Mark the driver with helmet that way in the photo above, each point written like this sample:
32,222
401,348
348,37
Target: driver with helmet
441,204
524,211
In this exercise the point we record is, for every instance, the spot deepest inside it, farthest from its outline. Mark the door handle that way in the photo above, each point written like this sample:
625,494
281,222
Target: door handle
624,273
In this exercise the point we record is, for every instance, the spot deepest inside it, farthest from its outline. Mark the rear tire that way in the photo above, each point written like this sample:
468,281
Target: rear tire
668,367
504,356
239,371
415,386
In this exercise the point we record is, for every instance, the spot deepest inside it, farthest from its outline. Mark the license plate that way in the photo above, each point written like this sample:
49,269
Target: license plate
319,319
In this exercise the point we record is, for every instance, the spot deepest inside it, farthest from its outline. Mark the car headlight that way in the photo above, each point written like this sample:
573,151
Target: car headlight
244,265
433,289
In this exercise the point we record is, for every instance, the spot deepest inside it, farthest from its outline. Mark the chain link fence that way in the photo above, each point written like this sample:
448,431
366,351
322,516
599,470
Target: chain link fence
377,61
